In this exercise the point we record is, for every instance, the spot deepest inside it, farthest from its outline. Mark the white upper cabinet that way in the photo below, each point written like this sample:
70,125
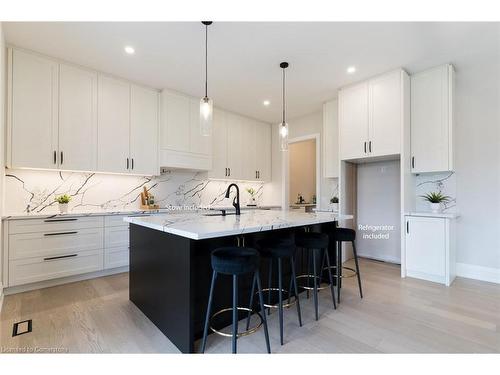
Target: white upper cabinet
143,130
236,147
263,151
113,125
353,121
330,139
33,125
372,115
219,146
181,142
432,120
77,118
249,149
385,115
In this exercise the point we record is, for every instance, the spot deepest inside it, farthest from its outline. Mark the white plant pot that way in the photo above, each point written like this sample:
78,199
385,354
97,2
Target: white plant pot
435,207
63,208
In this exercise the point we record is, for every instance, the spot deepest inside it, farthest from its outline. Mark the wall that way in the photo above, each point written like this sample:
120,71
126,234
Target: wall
378,211
34,191
3,90
302,170
298,127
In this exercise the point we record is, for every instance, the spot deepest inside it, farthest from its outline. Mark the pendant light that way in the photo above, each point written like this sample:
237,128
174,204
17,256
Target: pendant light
206,104
284,125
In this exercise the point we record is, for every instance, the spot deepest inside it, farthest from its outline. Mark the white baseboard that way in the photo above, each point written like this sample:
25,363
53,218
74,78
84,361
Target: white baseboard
471,271
380,258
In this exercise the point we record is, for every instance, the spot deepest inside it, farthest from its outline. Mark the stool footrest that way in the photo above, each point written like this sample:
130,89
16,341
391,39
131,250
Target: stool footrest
351,274
240,334
311,287
285,305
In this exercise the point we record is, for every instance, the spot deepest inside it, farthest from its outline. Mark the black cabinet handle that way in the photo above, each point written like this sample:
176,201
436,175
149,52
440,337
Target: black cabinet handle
370,146
127,164
413,162
365,147
132,163
62,158
407,227
229,169
60,257
59,233
225,172
55,157
56,220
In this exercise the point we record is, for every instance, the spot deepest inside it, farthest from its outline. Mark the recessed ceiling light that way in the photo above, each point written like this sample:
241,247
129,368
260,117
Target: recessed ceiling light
351,69
129,50
266,103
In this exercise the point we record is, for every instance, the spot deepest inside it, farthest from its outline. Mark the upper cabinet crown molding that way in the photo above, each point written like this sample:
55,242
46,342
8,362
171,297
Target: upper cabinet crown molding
371,116
432,120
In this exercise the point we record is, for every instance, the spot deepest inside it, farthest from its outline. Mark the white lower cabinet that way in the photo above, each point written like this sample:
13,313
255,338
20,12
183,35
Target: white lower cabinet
44,249
116,242
429,249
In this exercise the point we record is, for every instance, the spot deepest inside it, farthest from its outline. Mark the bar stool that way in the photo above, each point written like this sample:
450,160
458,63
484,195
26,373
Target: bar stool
235,261
278,249
316,244
345,235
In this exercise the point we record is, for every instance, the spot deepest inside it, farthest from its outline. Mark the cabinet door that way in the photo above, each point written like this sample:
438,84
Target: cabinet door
199,144
330,139
143,131
175,125
235,146
113,149
248,136
34,138
385,115
353,123
77,118
426,247
263,151
430,120
219,145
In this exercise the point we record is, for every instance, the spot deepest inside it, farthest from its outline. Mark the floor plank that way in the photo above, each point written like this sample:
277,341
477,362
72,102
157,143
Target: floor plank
396,316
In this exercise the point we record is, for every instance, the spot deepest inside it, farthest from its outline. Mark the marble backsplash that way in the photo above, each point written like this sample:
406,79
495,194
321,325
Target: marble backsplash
34,191
444,182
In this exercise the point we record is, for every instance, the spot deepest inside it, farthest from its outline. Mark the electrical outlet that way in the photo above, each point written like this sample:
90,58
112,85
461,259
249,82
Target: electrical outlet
164,170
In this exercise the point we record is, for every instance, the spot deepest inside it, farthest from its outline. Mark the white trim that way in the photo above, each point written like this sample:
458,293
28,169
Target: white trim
286,166
383,258
1,296
471,271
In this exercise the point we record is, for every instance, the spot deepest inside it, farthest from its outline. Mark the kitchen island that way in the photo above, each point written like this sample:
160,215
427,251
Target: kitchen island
170,268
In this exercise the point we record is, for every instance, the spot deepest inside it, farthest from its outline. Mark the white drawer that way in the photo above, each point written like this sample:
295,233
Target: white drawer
115,221
116,257
53,243
116,236
24,271
55,224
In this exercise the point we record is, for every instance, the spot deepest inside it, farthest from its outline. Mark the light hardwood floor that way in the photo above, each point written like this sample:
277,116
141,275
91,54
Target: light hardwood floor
396,316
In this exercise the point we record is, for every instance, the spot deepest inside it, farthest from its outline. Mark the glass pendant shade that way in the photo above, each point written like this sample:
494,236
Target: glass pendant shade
206,114
284,136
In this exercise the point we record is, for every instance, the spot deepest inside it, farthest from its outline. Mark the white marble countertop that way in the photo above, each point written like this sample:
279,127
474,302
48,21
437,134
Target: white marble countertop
443,215
197,226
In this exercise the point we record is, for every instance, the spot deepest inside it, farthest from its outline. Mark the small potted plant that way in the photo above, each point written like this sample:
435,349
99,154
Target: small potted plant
63,201
252,192
335,203
436,199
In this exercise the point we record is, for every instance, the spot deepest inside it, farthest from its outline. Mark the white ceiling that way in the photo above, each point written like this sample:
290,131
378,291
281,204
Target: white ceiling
244,57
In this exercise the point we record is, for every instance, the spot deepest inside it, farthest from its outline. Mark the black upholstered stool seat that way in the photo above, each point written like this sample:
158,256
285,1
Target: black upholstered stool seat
235,260
311,240
276,247
344,234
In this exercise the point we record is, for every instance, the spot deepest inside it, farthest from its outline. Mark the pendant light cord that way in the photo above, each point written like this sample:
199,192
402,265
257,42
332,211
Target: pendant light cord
283,117
206,61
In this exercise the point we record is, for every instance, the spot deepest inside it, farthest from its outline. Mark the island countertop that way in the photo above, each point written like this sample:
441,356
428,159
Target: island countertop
198,226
